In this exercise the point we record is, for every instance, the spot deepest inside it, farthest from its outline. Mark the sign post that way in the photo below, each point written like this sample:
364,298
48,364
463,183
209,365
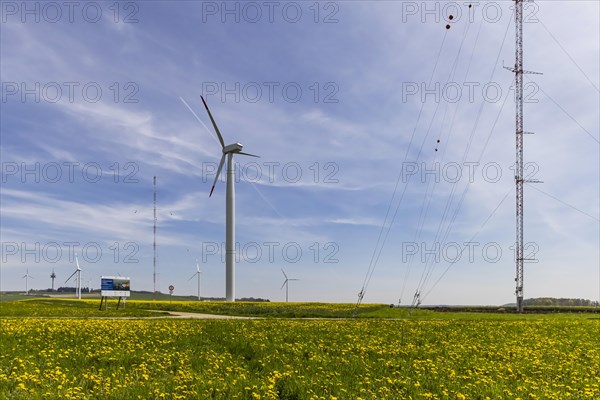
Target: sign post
171,288
114,286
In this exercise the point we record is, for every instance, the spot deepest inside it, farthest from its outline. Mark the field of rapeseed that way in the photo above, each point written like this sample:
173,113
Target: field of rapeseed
299,359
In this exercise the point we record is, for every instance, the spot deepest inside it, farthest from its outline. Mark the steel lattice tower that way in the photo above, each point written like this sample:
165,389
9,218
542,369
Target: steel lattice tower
519,154
154,244
519,178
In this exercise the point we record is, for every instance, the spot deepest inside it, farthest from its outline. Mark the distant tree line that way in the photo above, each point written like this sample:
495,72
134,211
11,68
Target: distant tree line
254,299
551,301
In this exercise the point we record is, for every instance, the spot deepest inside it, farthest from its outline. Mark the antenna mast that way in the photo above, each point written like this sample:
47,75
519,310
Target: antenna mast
519,178
154,245
52,276
519,136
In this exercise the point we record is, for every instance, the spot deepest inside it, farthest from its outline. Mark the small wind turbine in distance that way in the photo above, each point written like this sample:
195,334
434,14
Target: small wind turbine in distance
198,272
228,151
78,281
88,284
286,284
26,277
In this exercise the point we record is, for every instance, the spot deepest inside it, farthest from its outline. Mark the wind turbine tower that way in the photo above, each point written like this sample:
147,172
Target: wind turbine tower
198,272
286,284
52,276
228,151
26,277
78,279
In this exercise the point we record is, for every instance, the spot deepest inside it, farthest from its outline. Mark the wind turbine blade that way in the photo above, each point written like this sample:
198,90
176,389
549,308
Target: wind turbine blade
293,279
73,274
247,154
77,262
197,266
217,175
192,276
284,283
284,274
213,122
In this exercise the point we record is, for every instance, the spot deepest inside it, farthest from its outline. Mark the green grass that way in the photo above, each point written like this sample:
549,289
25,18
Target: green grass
511,310
12,296
88,308
65,348
298,359
159,296
262,309
51,307
48,307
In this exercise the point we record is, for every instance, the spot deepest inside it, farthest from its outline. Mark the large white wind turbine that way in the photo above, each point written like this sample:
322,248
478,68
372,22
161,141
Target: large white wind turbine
228,151
78,280
198,272
286,283
26,277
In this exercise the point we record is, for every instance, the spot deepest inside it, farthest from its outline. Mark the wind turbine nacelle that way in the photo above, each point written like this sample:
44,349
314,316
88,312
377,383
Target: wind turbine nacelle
233,148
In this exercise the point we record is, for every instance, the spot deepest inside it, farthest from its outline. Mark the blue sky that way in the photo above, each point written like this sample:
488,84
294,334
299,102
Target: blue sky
341,100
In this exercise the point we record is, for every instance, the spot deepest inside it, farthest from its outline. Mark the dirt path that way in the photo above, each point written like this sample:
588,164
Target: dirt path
179,314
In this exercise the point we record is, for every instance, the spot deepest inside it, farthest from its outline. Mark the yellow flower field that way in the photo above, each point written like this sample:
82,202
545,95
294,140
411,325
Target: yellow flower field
298,359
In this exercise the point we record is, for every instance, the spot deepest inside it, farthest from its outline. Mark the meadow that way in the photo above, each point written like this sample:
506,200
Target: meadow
80,355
